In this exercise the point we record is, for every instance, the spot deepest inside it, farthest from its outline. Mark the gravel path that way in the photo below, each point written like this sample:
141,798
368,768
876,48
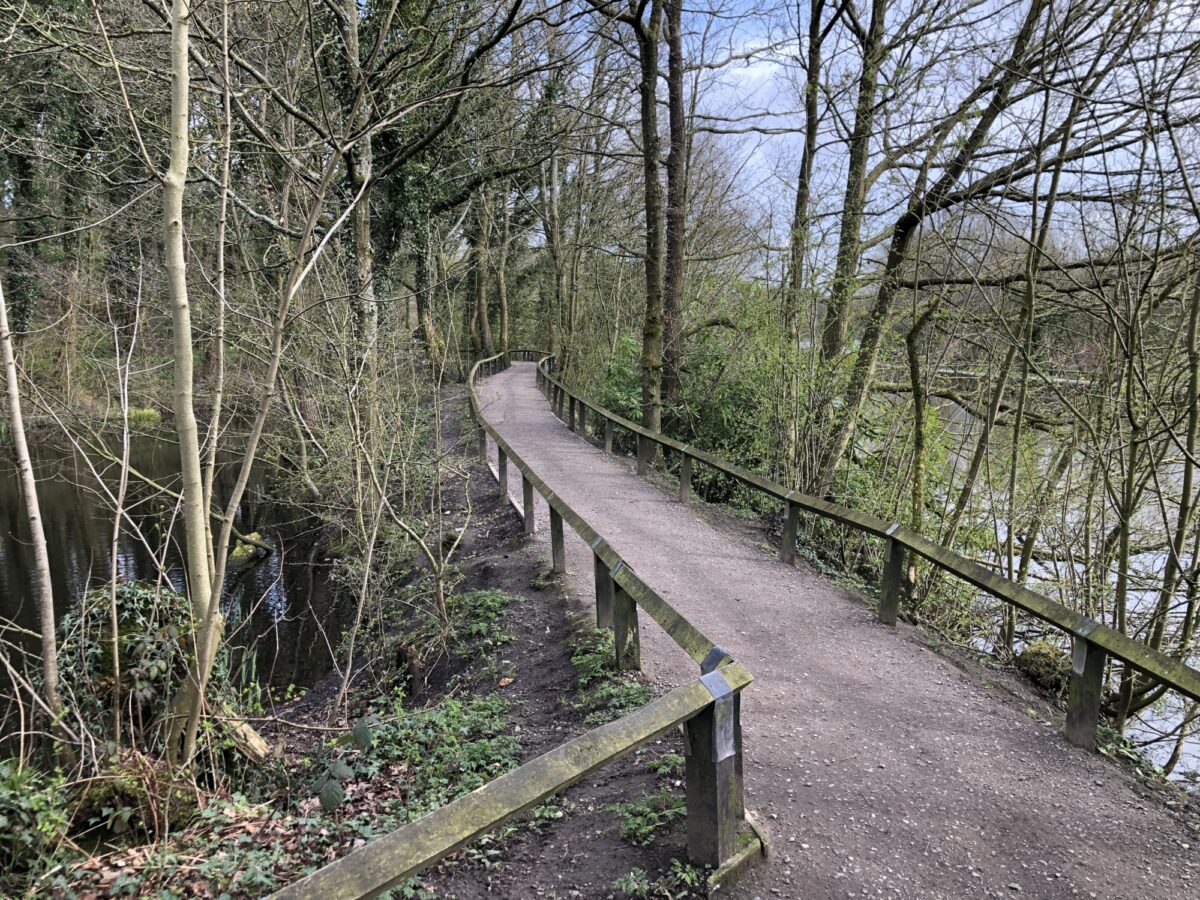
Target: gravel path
879,768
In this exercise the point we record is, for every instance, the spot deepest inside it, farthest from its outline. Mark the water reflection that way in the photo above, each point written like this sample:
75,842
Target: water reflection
281,613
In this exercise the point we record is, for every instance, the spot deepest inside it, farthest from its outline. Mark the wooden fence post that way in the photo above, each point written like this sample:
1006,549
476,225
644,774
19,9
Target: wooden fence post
558,550
482,436
893,581
713,787
527,504
605,589
571,414
625,630
608,435
685,478
643,454
1086,692
502,471
787,543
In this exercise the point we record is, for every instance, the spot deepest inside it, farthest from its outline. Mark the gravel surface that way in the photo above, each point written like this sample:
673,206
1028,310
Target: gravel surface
879,768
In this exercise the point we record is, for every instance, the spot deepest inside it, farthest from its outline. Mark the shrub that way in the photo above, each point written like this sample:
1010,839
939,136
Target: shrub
152,625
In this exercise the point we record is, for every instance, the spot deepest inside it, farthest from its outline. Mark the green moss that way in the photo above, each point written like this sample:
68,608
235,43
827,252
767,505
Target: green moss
1046,665
244,553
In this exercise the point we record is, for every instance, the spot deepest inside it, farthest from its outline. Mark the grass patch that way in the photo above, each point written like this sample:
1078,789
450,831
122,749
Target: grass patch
144,418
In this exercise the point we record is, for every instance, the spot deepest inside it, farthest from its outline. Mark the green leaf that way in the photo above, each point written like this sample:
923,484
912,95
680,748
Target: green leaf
362,736
331,795
341,770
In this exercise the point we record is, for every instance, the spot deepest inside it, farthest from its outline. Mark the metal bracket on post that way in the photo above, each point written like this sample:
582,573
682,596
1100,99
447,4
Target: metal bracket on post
787,543
893,579
714,801
712,659
527,504
1086,692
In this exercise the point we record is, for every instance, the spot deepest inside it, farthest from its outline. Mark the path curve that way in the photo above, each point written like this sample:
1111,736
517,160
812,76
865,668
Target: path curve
879,768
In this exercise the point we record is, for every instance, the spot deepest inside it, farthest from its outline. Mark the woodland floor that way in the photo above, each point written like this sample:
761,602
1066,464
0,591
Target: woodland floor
580,853
878,766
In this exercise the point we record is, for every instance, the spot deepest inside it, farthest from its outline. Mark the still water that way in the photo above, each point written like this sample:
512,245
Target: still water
281,612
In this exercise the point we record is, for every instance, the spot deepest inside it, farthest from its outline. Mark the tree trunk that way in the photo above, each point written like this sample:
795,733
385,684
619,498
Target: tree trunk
479,250
33,515
195,516
652,323
435,347
845,275
502,267
799,246
921,203
359,170
676,217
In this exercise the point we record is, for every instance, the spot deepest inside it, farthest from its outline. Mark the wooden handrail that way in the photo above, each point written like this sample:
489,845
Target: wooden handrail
1093,641
389,860
709,707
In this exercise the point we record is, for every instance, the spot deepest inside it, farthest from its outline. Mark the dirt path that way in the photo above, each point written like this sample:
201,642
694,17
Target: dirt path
879,768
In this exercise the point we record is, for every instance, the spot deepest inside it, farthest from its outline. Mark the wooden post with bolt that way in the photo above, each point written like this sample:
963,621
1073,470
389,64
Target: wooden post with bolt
1086,692
625,630
714,791
558,550
893,580
787,543
527,504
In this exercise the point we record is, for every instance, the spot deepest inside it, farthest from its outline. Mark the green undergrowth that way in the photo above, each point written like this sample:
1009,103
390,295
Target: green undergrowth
604,693
680,881
642,819
392,765
667,766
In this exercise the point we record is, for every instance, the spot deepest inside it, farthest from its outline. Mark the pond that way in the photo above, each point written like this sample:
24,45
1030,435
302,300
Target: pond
282,616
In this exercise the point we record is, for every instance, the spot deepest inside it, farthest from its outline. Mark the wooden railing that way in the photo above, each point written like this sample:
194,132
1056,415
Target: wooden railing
708,708
1092,642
